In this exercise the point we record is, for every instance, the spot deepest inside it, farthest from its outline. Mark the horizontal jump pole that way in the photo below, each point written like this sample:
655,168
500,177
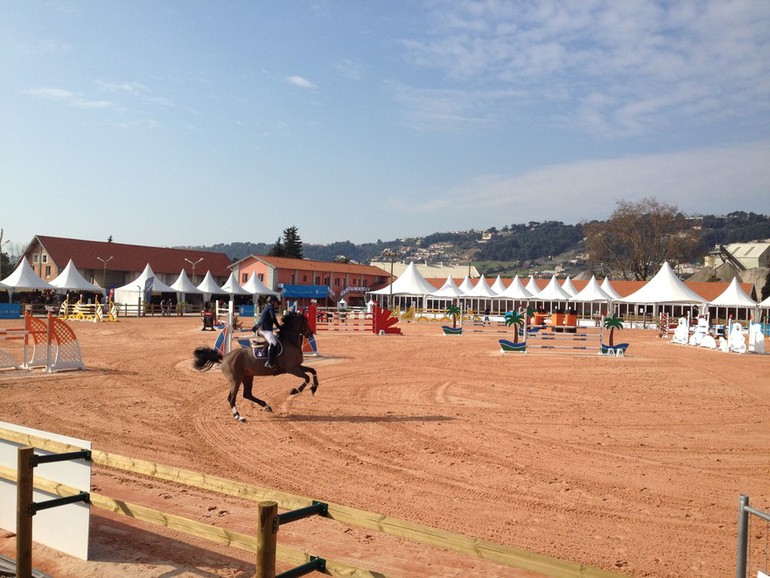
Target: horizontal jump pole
560,346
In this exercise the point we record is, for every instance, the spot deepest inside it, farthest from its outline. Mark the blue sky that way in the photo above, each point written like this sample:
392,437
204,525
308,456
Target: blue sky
192,123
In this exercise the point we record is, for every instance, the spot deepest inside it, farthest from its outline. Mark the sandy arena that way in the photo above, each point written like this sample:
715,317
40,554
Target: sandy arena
631,465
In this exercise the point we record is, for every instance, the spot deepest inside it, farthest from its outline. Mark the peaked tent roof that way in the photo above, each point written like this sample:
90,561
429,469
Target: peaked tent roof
140,282
568,287
255,287
607,287
481,289
25,279
466,284
231,286
765,303
735,296
71,279
516,290
208,285
449,289
498,286
592,292
553,292
532,286
665,287
184,285
411,282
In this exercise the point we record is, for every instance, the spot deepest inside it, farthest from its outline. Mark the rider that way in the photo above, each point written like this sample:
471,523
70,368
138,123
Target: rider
265,325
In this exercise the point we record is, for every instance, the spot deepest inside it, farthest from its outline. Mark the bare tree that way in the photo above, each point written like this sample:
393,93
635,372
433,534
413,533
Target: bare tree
638,237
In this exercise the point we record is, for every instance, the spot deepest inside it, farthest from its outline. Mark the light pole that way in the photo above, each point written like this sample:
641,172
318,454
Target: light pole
104,270
391,255
193,267
2,244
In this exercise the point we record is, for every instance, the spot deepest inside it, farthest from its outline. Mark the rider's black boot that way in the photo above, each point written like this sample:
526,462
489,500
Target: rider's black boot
270,364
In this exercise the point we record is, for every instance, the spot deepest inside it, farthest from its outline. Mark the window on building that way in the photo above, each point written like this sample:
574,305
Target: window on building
304,278
261,277
337,282
244,277
45,258
36,258
47,271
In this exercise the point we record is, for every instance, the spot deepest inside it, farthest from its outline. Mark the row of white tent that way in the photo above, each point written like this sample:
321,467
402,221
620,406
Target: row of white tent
25,279
664,287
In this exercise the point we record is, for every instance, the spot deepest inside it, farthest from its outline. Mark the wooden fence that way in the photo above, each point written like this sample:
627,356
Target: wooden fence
473,547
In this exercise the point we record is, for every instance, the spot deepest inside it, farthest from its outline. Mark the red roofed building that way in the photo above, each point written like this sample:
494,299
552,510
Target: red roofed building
114,264
295,278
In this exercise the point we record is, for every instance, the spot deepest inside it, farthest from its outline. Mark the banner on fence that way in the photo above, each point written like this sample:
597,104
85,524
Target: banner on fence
64,528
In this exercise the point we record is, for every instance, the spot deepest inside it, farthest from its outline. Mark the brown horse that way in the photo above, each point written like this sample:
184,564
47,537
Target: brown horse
242,365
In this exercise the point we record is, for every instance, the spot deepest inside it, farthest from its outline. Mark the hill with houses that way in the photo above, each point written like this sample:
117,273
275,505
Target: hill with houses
539,247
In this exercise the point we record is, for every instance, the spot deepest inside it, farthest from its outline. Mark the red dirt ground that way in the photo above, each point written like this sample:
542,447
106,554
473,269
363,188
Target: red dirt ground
632,465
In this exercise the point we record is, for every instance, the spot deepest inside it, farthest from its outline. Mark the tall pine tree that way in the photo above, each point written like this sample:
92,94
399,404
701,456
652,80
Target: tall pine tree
289,246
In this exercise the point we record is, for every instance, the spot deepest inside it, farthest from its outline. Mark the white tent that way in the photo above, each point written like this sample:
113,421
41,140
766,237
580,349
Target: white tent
498,286
665,287
183,285
232,287
765,303
733,296
208,286
410,283
466,285
516,291
449,290
607,287
592,292
532,287
70,279
133,291
255,287
481,289
553,292
569,288
24,279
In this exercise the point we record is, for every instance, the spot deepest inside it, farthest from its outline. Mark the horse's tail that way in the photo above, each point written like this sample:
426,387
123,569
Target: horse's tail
206,358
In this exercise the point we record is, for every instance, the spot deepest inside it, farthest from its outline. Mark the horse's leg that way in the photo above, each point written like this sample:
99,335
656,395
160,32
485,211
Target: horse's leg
314,373
232,396
299,373
248,382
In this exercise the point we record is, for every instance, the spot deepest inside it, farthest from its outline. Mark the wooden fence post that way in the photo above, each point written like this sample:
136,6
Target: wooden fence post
267,539
24,487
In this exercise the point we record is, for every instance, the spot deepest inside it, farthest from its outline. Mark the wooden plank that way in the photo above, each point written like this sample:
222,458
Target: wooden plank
202,481
191,527
497,553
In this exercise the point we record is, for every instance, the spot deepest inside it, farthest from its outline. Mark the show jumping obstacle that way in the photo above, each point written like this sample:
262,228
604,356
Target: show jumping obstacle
380,321
50,344
549,341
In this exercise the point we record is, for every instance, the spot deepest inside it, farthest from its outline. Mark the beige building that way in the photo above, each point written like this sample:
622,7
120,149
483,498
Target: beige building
431,271
750,255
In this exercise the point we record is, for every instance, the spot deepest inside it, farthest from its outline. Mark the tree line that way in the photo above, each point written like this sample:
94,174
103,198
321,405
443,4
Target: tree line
631,244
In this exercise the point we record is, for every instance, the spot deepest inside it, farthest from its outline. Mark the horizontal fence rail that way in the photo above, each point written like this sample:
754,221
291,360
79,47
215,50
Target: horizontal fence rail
472,547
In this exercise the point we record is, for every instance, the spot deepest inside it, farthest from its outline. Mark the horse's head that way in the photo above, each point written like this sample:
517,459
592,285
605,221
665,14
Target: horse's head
297,322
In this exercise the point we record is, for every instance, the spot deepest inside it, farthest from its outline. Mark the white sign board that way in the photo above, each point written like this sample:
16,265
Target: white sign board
64,528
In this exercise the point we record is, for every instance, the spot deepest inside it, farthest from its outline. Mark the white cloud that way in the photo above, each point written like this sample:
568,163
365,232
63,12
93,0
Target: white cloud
300,82
625,68
68,97
698,181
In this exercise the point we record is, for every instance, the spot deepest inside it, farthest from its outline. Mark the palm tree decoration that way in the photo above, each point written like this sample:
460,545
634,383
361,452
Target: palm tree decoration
454,312
517,319
613,323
